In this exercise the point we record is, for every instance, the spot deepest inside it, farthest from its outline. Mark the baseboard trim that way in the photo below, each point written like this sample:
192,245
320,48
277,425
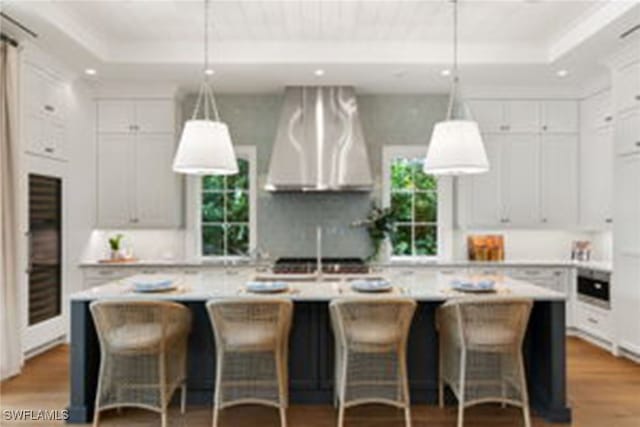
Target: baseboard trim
45,347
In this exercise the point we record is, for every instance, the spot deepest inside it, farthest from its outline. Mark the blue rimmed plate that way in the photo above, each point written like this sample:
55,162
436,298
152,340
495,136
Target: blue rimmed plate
371,285
482,286
267,287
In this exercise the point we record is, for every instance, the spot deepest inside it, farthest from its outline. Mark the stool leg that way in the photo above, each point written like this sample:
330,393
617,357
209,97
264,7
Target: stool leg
440,380
525,394
463,375
183,397
216,397
343,388
405,387
281,386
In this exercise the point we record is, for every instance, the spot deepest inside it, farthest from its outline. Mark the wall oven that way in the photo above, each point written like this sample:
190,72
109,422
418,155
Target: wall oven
594,288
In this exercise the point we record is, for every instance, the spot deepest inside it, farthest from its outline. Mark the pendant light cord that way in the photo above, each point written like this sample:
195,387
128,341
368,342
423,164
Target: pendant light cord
205,94
454,73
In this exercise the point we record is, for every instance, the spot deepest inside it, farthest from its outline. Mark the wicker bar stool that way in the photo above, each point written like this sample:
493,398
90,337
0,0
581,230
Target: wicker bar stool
143,349
252,341
480,355
371,340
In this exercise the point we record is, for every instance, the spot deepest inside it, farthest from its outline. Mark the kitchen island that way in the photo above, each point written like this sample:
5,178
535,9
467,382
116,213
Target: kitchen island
311,342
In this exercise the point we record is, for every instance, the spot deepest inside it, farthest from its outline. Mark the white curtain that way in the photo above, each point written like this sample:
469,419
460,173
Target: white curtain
10,331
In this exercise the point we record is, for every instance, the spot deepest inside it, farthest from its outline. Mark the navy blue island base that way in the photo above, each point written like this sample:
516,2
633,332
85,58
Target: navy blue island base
312,353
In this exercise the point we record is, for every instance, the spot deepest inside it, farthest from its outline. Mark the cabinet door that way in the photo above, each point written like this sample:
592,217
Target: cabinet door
596,177
521,179
115,164
626,300
596,111
627,84
559,190
482,191
489,114
55,139
522,116
116,116
626,236
628,132
154,116
156,184
559,116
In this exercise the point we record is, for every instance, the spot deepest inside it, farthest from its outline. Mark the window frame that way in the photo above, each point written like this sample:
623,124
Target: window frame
194,211
444,221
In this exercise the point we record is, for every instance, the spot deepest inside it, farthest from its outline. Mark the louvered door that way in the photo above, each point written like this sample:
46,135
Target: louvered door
45,249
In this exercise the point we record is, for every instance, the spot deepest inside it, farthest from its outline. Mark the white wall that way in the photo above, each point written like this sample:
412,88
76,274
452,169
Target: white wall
144,244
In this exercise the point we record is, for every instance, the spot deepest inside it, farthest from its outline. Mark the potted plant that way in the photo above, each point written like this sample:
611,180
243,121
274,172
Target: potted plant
115,243
380,223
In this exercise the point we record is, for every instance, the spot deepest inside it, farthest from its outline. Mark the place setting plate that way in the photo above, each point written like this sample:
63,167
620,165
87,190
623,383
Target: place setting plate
371,286
473,286
267,287
154,285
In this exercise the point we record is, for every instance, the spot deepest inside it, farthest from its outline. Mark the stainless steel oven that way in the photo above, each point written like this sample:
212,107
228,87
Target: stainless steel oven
594,288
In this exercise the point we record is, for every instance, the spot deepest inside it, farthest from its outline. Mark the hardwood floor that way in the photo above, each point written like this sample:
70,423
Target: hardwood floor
604,391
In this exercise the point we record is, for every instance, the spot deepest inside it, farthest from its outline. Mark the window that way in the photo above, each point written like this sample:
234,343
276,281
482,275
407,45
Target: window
227,210
416,200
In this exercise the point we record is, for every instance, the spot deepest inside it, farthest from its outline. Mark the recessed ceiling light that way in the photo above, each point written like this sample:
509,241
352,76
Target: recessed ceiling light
445,73
209,72
562,73
90,71
319,72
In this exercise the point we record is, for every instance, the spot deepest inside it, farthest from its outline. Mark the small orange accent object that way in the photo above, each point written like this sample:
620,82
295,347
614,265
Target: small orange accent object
489,247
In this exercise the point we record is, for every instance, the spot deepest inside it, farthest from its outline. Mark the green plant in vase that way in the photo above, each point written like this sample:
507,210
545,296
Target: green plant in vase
380,223
115,243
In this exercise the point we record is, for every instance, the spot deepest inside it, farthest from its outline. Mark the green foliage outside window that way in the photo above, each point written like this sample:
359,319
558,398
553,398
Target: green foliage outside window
225,213
414,200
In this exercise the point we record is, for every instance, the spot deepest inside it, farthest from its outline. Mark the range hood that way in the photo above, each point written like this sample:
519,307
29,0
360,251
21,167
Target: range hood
319,144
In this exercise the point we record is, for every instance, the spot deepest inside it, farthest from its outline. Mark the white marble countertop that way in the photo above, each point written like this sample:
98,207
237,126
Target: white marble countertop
420,284
605,266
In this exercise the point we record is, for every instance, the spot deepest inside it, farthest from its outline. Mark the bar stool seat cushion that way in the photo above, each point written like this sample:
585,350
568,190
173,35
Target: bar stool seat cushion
243,336
141,337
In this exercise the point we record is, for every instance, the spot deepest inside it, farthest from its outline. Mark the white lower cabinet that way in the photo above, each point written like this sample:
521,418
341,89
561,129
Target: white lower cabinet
593,320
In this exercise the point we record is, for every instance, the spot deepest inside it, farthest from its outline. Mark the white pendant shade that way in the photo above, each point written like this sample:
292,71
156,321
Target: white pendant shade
456,148
205,149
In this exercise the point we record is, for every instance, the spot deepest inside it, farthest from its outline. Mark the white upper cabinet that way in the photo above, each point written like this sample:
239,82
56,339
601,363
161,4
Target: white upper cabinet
559,180
627,87
116,116
596,111
522,116
627,209
489,114
520,180
533,176
136,184
628,132
559,116
147,115
482,191
153,116
115,197
44,113
156,185
596,178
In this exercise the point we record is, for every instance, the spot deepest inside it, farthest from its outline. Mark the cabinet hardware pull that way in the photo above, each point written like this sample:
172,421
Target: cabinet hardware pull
49,108
608,220
608,118
637,97
544,219
637,143
48,150
592,320
544,127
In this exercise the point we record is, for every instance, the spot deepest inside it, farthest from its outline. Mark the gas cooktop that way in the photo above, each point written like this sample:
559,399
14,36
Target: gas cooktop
329,266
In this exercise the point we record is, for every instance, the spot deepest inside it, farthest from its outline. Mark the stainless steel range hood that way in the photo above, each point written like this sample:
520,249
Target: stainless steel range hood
319,144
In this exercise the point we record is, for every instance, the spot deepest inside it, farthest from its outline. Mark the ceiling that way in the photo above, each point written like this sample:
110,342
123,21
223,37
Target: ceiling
376,45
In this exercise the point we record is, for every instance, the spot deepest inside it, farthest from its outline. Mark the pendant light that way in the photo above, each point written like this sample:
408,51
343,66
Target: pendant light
456,146
205,146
